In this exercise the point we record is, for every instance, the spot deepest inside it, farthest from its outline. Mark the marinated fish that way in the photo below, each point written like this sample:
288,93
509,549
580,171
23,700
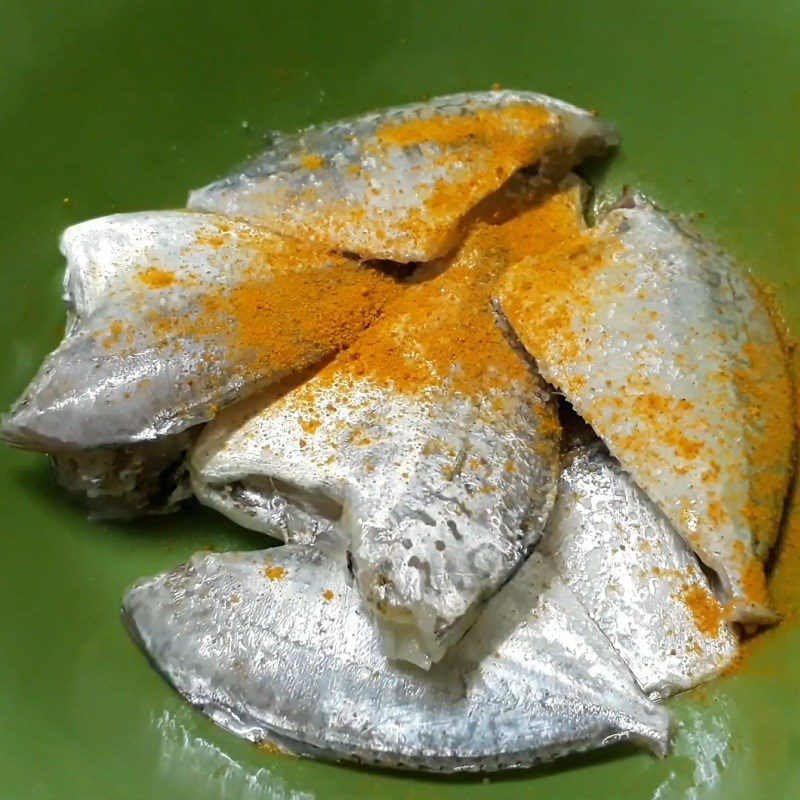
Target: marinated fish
634,575
672,355
188,312
116,483
431,445
397,184
275,647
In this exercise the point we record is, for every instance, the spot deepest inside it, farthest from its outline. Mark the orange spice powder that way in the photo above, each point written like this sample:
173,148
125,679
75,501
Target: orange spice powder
445,327
115,331
157,278
294,305
483,127
312,161
274,573
754,583
541,296
706,610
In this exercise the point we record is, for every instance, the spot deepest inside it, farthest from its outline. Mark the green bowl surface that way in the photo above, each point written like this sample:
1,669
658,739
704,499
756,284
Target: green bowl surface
108,105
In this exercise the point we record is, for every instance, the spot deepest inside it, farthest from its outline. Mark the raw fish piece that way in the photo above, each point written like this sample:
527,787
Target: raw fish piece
396,184
202,311
103,256
274,646
635,576
672,355
107,256
431,446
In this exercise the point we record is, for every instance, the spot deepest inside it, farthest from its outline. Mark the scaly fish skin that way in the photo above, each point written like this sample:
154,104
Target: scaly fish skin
173,317
635,576
106,256
672,355
275,646
395,184
103,256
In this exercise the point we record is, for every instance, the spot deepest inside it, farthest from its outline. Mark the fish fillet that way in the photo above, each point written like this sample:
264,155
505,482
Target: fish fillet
635,576
187,312
672,355
116,483
397,184
274,646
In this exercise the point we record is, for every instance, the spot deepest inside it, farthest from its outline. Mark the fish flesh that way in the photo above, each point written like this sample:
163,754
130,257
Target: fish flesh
673,357
634,575
397,184
275,647
431,446
187,312
123,483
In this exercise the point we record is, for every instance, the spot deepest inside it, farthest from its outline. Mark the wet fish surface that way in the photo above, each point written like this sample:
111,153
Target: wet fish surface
187,312
275,646
116,483
431,446
673,356
396,184
123,483
634,575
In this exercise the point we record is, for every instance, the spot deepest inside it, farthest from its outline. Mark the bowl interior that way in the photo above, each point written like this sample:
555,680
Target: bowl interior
117,106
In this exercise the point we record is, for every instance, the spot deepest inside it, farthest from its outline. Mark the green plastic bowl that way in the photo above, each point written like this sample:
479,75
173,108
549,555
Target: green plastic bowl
108,105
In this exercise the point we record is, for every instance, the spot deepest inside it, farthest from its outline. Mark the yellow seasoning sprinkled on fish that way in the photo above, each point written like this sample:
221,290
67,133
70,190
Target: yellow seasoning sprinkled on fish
153,351
397,184
672,355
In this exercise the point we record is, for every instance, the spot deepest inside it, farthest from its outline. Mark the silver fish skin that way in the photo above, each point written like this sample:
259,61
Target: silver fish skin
275,646
437,466
148,355
374,185
102,257
635,576
422,496
106,256
672,355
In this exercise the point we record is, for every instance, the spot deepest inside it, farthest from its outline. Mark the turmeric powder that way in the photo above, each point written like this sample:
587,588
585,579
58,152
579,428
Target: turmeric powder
157,278
274,573
444,329
706,610
294,305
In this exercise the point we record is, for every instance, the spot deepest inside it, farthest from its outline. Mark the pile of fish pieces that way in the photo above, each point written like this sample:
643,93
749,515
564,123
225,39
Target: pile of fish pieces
474,576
